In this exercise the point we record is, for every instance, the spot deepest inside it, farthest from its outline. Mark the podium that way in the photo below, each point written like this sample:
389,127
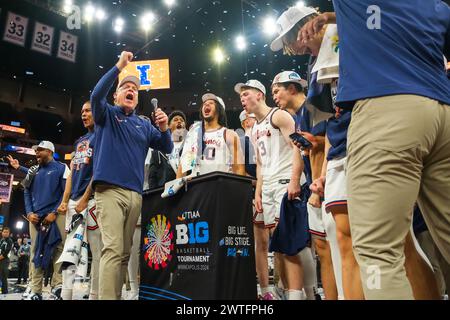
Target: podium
198,244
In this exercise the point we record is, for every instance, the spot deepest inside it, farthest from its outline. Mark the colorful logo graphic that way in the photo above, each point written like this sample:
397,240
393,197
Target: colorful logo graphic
158,242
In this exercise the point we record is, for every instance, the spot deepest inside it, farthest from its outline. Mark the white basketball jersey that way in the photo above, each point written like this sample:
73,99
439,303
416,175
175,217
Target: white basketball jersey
216,155
275,153
174,157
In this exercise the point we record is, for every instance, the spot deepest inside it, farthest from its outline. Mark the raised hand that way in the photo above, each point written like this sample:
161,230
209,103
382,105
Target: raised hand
125,58
13,162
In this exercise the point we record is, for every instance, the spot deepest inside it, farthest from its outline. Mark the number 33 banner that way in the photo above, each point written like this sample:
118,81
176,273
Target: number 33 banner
67,48
16,29
43,38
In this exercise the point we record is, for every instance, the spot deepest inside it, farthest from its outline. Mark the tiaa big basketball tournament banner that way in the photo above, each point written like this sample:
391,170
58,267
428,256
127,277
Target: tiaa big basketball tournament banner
198,244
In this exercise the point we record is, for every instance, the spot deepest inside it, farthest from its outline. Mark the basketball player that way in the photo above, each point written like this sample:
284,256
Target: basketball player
288,93
78,197
247,122
278,170
163,167
220,147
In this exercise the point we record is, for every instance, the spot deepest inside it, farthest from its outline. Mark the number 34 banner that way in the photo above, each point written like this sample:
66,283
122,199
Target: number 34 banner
67,48
43,38
16,29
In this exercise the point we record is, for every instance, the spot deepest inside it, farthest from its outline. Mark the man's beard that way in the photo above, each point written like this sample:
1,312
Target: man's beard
209,119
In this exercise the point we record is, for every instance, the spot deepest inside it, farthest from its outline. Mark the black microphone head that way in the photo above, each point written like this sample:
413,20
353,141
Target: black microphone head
154,102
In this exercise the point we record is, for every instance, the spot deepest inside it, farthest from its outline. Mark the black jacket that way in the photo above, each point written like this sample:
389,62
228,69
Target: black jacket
160,170
5,247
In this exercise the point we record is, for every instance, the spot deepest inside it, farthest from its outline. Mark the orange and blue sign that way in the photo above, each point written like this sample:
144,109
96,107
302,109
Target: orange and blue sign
153,74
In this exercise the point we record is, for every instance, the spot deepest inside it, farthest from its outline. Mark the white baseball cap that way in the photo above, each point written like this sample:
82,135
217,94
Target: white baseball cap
212,96
130,78
287,21
44,145
244,115
250,84
289,76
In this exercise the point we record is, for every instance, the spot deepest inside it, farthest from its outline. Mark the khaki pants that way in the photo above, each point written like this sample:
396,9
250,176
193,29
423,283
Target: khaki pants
37,274
432,253
118,211
398,153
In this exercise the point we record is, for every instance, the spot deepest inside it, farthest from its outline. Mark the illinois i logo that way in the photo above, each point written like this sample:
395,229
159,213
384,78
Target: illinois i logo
158,242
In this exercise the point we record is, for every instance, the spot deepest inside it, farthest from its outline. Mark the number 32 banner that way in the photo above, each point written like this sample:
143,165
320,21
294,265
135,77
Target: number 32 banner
16,29
67,48
43,38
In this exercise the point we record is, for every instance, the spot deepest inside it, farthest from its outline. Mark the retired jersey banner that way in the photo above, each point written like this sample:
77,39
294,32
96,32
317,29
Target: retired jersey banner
6,182
16,29
154,74
42,38
198,244
67,48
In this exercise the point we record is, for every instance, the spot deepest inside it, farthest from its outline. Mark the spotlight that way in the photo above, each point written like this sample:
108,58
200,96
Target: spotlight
67,8
240,42
169,3
218,55
100,14
300,4
118,25
19,225
147,21
269,26
89,12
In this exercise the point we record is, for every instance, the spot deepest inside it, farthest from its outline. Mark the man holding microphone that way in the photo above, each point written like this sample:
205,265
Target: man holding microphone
123,139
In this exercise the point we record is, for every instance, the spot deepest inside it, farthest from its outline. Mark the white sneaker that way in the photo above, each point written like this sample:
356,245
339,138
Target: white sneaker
27,292
280,293
55,294
133,295
33,296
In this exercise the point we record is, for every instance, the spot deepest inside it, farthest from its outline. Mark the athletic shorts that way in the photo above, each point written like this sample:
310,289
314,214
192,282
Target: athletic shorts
316,224
92,223
272,195
336,184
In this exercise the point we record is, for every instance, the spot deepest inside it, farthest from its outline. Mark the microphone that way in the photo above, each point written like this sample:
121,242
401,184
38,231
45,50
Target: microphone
154,102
